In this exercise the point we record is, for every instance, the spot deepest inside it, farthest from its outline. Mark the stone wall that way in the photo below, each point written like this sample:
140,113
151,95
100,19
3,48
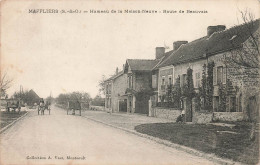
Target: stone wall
202,117
245,81
97,108
166,113
228,116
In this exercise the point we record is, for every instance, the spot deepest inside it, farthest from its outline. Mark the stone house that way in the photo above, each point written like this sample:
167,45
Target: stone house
139,84
115,87
240,82
217,46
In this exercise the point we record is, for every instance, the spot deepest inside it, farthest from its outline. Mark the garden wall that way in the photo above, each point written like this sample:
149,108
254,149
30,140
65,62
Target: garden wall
97,108
228,116
202,117
165,113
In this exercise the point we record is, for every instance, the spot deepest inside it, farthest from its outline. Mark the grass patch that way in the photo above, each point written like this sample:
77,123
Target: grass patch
232,143
8,117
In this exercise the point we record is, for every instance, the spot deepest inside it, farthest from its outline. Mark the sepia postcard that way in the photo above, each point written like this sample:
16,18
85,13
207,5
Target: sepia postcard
126,82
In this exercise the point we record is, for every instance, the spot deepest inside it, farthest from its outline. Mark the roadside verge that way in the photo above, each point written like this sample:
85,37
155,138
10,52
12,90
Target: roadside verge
192,151
12,123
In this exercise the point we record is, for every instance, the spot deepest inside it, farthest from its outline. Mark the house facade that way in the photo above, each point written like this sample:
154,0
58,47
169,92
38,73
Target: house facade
139,84
237,84
115,87
229,86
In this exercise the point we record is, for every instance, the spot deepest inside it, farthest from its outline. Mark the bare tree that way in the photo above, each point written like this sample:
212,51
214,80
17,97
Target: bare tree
5,83
102,85
246,54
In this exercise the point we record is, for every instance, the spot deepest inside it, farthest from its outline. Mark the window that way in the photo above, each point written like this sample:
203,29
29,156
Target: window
170,79
163,80
197,80
232,104
219,75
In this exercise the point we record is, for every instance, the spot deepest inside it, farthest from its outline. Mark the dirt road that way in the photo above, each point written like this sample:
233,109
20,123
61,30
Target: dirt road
66,139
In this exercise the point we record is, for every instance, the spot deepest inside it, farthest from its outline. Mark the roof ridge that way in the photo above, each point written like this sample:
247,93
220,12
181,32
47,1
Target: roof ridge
143,59
235,26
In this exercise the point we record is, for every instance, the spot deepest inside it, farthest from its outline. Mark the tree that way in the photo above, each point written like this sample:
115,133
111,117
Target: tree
29,97
102,85
248,53
188,88
176,93
5,83
98,101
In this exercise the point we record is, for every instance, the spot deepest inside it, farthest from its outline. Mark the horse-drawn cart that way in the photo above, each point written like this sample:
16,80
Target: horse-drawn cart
74,105
14,104
43,106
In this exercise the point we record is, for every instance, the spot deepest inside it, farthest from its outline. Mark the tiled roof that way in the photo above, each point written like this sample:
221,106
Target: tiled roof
166,55
141,64
217,42
187,52
232,37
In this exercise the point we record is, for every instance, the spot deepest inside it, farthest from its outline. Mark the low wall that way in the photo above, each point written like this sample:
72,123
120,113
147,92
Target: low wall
166,113
228,116
97,108
202,117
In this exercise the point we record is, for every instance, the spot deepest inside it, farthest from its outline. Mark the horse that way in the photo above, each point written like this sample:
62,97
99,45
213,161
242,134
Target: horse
41,108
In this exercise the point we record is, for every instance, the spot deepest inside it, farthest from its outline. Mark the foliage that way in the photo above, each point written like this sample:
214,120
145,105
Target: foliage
5,83
176,92
102,85
206,89
169,94
79,96
50,99
28,97
188,88
222,98
209,87
248,55
98,101
144,93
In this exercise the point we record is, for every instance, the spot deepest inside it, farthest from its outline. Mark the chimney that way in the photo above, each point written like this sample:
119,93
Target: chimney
212,29
116,70
159,52
177,44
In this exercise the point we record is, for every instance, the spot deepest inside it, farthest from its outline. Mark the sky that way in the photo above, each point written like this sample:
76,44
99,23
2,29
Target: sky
65,52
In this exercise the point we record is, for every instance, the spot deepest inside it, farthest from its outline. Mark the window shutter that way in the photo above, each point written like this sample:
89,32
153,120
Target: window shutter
154,81
224,75
215,76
